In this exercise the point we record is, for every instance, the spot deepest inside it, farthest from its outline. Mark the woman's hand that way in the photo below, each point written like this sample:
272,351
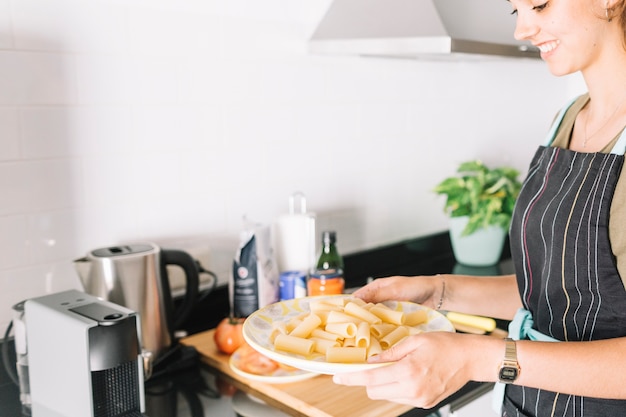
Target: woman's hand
421,289
426,368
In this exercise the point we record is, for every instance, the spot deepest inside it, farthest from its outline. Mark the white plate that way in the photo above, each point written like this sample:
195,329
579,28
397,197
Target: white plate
258,326
281,375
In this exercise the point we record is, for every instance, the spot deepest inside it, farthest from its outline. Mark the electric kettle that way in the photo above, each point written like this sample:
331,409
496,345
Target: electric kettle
135,276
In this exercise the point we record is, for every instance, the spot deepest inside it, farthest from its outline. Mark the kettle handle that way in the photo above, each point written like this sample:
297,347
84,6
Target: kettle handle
185,261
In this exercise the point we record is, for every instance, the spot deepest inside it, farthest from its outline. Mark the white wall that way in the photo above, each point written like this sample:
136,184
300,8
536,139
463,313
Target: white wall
168,120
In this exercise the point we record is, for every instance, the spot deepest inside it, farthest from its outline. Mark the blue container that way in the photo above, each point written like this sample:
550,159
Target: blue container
292,285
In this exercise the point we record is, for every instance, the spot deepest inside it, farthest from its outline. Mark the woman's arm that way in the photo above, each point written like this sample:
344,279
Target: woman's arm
591,369
495,296
429,367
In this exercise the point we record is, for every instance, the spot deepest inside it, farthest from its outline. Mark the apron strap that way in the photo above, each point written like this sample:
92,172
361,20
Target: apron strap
620,146
520,328
557,123
618,149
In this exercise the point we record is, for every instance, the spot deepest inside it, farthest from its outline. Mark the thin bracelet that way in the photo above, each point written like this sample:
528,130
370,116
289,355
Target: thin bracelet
443,291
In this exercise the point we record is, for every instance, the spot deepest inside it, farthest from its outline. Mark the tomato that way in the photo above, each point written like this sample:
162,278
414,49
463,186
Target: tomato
229,334
256,363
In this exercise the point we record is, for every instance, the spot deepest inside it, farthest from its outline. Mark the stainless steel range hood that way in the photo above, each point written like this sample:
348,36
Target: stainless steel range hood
419,29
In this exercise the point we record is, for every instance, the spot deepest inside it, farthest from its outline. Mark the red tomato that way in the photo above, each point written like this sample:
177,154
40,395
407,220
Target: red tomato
254,362
229,335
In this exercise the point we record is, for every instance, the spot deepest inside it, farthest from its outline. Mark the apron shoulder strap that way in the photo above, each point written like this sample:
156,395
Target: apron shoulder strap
557,123
620,146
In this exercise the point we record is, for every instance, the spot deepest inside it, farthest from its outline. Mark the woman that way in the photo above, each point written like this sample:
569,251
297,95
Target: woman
568,295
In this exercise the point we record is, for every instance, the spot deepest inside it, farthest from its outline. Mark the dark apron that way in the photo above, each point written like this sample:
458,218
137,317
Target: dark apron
566,272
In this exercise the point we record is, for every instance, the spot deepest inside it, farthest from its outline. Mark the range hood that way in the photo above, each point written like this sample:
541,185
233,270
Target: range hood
419,29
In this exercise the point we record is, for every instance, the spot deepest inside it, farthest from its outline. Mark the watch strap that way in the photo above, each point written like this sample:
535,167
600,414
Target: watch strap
510,351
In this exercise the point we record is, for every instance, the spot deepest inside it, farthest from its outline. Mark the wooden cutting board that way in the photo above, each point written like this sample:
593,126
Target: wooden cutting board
315,397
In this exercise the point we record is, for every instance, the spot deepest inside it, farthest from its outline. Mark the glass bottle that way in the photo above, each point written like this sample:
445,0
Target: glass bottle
327,276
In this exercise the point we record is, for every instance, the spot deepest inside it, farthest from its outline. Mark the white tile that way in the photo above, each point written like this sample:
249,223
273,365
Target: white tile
104,79
47,132
53,184
9,134
52,235
10,79
37,185
14,192
157,32
206,80
273,10
31,78
13,241
257,40
23,283
71,26
74,131
155,80
105,225
131,179
6,32
111,180
172,128
259,124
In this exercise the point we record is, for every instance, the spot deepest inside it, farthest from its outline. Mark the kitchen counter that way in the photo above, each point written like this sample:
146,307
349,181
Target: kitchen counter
317,396
193,392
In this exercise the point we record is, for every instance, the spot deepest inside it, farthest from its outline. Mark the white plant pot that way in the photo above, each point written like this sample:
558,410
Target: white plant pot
481,248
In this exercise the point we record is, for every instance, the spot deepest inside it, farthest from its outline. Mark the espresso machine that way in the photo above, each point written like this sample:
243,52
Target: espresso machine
83,357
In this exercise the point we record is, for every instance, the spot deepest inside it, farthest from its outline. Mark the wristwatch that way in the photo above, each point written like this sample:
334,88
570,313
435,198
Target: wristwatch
509,369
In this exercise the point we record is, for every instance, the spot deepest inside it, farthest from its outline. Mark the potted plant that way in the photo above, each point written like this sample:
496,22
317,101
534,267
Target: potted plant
480,203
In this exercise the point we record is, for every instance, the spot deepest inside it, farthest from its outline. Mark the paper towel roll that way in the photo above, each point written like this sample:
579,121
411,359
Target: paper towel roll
294,239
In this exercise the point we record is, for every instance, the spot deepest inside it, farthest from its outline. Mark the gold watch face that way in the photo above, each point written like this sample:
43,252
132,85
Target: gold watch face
508,374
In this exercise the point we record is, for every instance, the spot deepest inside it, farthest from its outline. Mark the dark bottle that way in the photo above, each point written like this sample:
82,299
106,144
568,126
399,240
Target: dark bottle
327,276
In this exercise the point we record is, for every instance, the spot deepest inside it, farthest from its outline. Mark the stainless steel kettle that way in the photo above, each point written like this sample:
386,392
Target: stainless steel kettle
135,276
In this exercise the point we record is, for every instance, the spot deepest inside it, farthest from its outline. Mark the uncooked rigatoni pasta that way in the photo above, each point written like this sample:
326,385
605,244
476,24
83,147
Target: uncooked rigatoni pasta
345,330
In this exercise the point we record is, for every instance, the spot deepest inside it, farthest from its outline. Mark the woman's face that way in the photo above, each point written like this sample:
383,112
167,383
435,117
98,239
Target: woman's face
571,34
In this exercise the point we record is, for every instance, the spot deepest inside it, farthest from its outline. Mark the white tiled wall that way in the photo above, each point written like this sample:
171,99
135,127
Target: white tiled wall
169,120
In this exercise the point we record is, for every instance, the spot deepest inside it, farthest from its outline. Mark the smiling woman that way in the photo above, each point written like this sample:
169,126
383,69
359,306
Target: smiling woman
565,235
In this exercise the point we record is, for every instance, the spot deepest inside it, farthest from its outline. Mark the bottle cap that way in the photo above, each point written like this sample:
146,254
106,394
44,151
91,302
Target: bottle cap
329,237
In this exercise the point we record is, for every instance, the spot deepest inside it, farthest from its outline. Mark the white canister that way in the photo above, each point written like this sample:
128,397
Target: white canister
294,237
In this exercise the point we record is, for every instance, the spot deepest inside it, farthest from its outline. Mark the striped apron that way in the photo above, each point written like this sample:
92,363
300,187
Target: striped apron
567,274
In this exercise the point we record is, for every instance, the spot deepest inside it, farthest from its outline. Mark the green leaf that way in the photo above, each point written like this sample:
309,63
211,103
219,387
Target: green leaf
486,195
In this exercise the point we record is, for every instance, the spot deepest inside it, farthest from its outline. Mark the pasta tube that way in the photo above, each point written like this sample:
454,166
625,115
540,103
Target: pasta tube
323,334
363,334
349,342
320,305
306,326
294,344
278,328
394,337
381,329
374,348
388,315
345,354
358,311
341,329
322,345
339,317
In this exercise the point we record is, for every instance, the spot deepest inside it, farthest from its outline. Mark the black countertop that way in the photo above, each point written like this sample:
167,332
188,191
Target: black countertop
421,256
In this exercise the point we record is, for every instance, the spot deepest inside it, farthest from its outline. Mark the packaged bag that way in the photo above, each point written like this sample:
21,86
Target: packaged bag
255,279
